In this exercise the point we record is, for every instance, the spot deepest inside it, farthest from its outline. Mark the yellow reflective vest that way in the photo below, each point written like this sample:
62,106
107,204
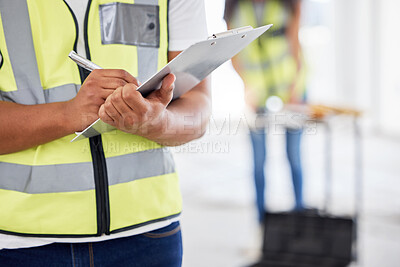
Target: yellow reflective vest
102,185
268,67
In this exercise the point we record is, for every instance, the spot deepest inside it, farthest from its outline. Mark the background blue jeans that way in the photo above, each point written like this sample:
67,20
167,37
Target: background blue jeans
258,140
162,247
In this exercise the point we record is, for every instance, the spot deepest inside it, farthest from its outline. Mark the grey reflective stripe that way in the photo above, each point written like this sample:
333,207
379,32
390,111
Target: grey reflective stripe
18,36
147,56
61,93
147,62
47,178
138,165
79,176
57,94
147,2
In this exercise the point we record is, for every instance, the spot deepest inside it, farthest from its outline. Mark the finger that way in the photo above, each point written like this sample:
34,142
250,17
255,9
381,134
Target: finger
166,91
111,82
104,93
134,98
104,116
119,104
111,111
116,73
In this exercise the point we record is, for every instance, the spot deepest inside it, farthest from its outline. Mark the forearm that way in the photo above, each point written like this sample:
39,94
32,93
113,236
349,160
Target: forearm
186,118
237,66
26,126
295,48
293,32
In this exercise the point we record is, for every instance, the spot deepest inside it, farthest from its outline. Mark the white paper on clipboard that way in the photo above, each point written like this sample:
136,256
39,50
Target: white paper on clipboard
190,67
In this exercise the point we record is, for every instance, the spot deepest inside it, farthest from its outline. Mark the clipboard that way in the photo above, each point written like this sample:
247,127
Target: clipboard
190,67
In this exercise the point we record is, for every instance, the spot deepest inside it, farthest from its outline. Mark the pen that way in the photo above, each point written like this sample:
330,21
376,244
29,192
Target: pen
83,62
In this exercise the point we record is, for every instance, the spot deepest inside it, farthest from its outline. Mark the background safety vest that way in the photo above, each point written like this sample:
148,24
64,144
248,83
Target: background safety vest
268,67
110,183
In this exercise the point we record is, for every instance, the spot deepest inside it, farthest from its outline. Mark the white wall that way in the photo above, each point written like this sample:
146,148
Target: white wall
388,65
368,55
317,39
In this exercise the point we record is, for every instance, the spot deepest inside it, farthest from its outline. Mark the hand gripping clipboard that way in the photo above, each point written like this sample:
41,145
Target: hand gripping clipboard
190,67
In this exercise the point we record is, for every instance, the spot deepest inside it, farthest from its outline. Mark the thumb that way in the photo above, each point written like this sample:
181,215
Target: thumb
167,88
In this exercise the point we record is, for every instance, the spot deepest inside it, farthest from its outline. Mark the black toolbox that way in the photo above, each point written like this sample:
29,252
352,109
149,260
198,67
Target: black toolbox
315,238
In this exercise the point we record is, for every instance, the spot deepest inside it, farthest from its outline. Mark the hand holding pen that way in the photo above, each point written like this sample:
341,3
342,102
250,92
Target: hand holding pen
94,91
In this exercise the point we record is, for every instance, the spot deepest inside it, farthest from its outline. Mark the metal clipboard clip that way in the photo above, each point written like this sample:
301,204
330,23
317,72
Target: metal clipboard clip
230,32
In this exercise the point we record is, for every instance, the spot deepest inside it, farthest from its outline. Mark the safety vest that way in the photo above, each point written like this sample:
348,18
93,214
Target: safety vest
102,185
268,67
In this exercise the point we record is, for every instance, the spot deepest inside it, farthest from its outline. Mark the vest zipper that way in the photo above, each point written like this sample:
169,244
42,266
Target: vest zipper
99,160
101,185
1,59
96,148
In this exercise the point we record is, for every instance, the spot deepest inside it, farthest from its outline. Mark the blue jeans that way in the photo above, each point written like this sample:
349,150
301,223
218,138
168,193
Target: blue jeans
162,247
258,140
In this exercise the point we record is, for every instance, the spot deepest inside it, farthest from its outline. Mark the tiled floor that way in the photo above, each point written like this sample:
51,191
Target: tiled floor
219,226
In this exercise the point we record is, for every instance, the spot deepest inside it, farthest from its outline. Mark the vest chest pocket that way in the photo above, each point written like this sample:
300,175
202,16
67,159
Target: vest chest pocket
130,24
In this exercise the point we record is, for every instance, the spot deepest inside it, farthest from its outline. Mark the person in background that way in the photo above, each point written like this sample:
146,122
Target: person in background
271,68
